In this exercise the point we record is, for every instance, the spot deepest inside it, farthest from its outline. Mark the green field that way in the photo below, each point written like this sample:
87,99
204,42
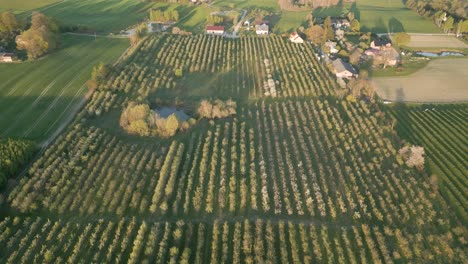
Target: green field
25,4
271,5
295,176
35,97
442,129
382,16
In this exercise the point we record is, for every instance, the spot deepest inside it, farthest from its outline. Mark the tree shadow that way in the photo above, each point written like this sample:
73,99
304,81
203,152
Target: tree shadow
394,25
354,9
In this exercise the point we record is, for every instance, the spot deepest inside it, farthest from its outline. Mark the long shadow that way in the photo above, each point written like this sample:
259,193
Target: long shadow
394,25
356,11
39,126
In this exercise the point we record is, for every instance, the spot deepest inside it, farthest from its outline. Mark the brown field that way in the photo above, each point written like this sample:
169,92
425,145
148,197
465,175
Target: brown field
435,41
443,80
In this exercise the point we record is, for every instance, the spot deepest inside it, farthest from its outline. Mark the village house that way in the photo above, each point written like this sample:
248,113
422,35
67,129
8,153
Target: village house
295,38
343,69
381,43
382,52
7,57
262,29
215,30
248,22
331,47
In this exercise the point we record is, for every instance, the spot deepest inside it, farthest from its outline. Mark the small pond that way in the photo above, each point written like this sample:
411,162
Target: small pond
441,54
167,111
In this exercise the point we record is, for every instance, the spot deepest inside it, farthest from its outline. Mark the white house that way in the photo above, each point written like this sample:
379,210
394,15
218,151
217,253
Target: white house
343,69
262,29
295,38
6,57
215,30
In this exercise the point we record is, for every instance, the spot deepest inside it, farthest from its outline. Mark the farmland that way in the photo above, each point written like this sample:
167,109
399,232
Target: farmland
439,41
34,105
296,176
442,129
442,80
383,16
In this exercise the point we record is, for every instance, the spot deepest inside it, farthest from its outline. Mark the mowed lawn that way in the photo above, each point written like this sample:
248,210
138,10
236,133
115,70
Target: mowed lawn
382,16
443,80
36,97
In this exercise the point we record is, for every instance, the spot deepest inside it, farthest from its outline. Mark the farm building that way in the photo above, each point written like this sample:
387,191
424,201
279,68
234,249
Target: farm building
157,27
248,22
343,69
295,38
262,29
215,30
7,57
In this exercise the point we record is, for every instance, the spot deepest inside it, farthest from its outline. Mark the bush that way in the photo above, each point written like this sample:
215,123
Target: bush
216,108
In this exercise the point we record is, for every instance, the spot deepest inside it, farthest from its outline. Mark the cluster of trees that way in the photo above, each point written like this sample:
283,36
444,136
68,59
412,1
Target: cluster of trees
164,16
361,87
216,108
98,75
214,20
140,32
449,15
428,8
401,38
319,34
9,28
14,154
40,38
413,156
139,119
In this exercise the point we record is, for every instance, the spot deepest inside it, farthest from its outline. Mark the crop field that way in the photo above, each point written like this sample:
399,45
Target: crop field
439,41
383,16
442,80
36,97
299,178
442,129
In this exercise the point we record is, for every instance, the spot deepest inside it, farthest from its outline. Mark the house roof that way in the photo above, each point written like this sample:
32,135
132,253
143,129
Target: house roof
263,27
381,42
341,66
215,28
7,54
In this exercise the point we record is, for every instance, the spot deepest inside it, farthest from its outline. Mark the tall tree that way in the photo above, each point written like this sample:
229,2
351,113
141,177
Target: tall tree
355,26
41,38
328,29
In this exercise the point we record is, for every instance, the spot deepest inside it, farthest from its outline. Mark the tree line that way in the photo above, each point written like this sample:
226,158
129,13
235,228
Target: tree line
448,15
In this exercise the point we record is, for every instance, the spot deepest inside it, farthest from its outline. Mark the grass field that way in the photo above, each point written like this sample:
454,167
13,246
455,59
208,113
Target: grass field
271,5
35,97
25,4
426,41
442,130
382,16
443,80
